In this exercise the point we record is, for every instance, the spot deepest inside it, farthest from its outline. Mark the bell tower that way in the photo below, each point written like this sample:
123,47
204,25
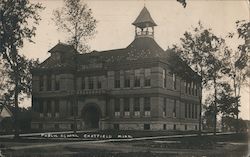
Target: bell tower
144,24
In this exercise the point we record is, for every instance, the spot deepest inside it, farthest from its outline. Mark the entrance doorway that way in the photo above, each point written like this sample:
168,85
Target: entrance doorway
91,117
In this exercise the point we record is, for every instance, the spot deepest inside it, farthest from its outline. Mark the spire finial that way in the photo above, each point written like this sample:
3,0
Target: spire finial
144,3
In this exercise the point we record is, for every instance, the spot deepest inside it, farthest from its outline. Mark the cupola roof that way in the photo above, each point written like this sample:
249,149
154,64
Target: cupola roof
144,19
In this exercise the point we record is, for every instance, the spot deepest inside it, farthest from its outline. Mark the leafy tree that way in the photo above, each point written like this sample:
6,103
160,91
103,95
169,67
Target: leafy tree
76,19
207,55
208,115
3,79
227,102
17,23
239,65
232,124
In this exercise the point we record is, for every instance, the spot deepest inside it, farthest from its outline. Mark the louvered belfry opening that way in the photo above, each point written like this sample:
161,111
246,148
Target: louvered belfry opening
144,24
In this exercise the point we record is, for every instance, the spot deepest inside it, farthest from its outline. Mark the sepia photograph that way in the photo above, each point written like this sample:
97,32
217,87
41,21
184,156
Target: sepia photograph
124,78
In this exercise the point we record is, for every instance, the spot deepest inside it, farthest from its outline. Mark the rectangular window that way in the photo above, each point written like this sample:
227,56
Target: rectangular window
164,76
56,106
146,126
91,83
71,107
57,126
83,83
117,105
164,107
117,83
164,126
116,127
189,110
192,110
186,88
192,88
126,79
147,77
174,109
117,79
137,78
57,83
136,104
174,81
126,105
189,87
186,112
99,83
174,127
147,106
41,85
40,126
49,82
185,126
49,108
195,89
41,106
195,111
117,114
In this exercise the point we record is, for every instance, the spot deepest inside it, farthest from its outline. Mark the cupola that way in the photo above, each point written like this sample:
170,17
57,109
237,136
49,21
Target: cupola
144,24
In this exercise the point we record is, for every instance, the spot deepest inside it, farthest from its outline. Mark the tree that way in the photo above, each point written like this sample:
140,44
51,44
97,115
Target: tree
239,65
227,102
208,114
17,23
207,55
76,19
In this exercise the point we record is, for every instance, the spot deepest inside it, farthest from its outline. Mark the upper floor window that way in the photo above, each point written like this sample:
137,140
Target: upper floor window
186,110
56,106
71,107
164,107
57,83
49,82
126,79
147,106
91,83
147,76
195,111
41,85
49,110
174,80
189,110
126,105
174,109
99,83
137,78
41,106
189,87
192,88
195,89
117,79
186,88
83,83
136,104
164,76
117,105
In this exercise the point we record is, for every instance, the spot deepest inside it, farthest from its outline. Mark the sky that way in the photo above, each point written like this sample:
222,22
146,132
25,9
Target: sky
114,28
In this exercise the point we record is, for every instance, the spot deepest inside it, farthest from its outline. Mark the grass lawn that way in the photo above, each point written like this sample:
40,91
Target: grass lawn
207,146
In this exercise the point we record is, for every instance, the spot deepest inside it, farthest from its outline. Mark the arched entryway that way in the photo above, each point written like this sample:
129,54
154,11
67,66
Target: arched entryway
91,116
